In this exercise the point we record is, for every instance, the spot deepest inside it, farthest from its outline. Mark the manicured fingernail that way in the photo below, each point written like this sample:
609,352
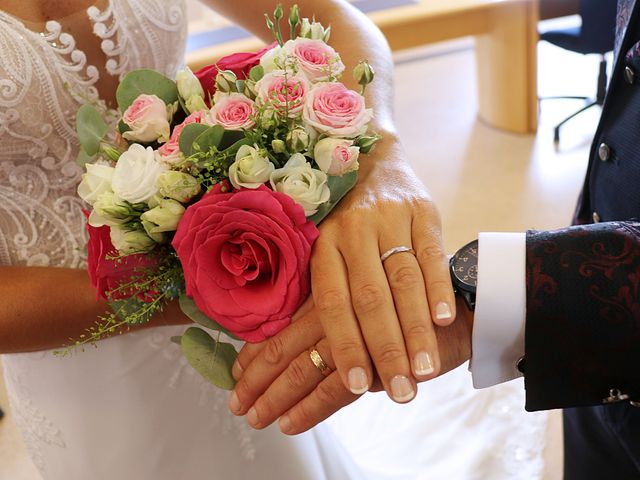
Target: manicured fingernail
236,370
443,311
252,417
285,424
234,403
358,382
423,364
401,389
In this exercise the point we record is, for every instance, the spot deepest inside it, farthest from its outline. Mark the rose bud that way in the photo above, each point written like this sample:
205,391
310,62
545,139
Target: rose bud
336,156
314,31
363,73
268,119
128,241
178,186
251,169
188,84
149,118
226,81
195,104
366,144
163,218
278,146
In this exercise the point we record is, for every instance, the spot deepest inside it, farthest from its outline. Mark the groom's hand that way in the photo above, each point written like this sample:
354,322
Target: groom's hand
277,379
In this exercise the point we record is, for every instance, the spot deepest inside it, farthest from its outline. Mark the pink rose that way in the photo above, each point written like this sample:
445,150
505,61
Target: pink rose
316,59
336,156
107,274
245,257
239,63
283,91
234,112
148,120
334,110
170,152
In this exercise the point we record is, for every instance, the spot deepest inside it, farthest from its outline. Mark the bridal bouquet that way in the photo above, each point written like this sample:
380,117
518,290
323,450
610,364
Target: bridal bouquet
209,189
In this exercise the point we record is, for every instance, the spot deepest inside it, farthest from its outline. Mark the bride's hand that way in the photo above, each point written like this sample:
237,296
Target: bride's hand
278,379
382,311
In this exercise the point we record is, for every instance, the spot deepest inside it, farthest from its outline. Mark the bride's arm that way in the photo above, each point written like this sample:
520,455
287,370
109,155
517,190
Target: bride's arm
42,308
365,306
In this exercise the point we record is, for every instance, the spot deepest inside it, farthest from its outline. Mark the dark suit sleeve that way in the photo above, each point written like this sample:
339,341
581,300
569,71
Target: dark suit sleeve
582,335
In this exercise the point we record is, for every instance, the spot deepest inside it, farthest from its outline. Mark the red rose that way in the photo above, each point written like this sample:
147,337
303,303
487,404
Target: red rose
239,63
107,274
245,257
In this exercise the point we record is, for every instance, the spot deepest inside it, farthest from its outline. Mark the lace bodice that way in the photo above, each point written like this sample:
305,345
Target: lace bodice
44,78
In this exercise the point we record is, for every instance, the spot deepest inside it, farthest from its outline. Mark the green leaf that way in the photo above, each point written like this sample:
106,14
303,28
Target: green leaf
256,73
210,138
231,138
82,159
149,82
91,129
177,339
188,137
191,310
339,187
213,360
123,127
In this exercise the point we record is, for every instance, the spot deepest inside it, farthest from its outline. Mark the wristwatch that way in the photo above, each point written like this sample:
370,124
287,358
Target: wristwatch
464,273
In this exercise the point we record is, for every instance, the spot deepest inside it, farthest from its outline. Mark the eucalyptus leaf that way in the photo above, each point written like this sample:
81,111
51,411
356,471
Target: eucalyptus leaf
339,187
82,159
144,81
91,129
210,138
230,138
256,73
213,360
191,310
188,137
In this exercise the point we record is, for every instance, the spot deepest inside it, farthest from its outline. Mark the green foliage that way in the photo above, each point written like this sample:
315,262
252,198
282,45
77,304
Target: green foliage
82,159
191,310
188,137
91,129
339,187
210,138
256,73
147,82
210,358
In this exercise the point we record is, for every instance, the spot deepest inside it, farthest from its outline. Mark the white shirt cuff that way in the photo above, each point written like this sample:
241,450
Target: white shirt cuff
500,314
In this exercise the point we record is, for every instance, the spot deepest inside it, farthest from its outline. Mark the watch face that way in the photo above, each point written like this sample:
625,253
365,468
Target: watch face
464,266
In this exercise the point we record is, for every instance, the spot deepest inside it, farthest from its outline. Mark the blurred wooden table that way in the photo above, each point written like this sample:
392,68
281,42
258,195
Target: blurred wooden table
506,38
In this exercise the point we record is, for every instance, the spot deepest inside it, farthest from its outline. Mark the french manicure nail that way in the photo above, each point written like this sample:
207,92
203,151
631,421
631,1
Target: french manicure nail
401,389
358,382
234,403
423,364
236,370
443,311
285,423
252,417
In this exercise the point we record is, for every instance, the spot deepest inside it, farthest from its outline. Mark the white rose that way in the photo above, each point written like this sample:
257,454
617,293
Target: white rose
163,218
336,156
178,186
95,182
273,60
136,174
188,84
131,241
149,118
251,169
305,185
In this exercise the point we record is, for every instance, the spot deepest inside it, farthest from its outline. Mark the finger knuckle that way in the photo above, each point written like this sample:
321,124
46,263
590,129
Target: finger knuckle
326,394
295,374
368,297
405,277
417,329
439,283
390,352
274,351
428,253
346,348
332,302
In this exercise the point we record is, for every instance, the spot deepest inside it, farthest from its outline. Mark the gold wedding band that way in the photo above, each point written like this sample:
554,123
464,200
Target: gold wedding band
320,364
394,250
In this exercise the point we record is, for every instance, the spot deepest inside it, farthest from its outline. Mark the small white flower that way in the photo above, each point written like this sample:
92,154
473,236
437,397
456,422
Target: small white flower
305,185
188,84
111,210
136,174
131,241
95,182
251,169
163,218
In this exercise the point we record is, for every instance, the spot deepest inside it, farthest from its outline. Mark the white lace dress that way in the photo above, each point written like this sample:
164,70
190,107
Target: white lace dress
131,409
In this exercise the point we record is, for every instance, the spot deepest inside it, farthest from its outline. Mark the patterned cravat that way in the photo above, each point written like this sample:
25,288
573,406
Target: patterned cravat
625,7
